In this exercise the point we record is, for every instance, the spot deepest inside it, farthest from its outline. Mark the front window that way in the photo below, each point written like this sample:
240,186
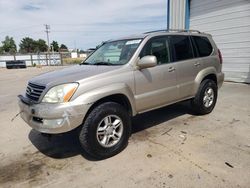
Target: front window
114,53
159,48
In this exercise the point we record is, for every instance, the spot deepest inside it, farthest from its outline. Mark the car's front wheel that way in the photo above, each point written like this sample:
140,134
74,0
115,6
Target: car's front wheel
105,131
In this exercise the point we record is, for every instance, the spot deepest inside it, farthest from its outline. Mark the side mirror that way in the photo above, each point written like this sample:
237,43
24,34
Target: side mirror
147,62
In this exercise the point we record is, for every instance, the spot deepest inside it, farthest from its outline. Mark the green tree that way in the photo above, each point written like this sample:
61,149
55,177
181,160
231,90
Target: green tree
8,45
55,46
27,45
41,46
63,47
1,50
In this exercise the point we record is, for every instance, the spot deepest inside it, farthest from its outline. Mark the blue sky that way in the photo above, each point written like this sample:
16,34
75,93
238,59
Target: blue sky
80,23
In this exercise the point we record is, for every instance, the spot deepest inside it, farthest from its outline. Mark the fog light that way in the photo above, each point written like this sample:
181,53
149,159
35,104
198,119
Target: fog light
52,123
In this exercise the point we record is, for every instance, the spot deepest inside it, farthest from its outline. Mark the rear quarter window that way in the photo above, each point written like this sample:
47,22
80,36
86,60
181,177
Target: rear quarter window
203,46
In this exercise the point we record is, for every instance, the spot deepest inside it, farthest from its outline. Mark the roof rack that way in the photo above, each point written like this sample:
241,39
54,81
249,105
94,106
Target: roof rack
174,30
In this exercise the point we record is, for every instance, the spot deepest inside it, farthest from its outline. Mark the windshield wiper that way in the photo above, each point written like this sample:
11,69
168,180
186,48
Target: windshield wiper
99,63
102,63
85,63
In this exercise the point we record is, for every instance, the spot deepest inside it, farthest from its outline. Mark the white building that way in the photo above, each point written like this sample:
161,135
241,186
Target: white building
229,23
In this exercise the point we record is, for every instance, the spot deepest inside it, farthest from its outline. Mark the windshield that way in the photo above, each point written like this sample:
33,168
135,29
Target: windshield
114,53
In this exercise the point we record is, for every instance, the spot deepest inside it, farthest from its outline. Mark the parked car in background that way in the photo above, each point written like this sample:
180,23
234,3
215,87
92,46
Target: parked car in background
16,64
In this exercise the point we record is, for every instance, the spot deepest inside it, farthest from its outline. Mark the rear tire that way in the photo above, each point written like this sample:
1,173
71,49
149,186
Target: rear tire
105,131
206,97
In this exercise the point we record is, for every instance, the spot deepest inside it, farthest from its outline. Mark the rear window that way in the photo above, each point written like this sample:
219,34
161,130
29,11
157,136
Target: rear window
203,46
181,47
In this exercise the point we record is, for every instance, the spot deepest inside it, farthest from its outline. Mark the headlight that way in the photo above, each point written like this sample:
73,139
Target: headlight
60,93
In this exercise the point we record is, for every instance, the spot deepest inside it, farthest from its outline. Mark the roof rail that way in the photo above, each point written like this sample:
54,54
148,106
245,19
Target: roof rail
185,30
174,30
161,30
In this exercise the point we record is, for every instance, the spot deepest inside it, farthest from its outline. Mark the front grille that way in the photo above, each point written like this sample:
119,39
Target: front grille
34,91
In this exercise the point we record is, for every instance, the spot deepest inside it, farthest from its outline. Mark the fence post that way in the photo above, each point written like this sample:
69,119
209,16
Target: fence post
46,56
49,59
61,58
31,59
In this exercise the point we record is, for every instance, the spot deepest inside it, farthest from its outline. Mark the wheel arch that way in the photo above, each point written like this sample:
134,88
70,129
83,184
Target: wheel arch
119,93
208,73
211,76
117,98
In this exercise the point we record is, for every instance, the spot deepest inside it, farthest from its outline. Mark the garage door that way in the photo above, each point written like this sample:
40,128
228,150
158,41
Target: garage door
229,23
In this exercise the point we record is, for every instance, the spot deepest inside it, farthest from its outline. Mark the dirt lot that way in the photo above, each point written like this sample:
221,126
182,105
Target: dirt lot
169,147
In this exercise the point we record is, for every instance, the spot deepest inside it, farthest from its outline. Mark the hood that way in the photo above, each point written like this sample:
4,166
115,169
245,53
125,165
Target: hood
71,74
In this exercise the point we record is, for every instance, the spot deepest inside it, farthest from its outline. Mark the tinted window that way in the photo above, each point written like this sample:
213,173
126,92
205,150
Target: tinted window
203,45
157,47
182,48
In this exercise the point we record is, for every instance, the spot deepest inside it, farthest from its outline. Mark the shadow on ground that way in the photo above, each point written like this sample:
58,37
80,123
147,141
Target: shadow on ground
155,117
67,145
57,146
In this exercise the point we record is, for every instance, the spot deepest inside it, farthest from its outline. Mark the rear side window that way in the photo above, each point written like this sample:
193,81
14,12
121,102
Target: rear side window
203,46
181,47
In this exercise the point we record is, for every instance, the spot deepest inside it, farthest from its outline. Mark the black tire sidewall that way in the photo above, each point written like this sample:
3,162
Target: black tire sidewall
210,84
198,104
91,144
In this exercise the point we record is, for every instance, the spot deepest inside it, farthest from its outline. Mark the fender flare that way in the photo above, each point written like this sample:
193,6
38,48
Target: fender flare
201,75
92,96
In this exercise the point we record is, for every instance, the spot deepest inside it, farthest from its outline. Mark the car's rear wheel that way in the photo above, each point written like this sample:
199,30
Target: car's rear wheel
105,131
206,97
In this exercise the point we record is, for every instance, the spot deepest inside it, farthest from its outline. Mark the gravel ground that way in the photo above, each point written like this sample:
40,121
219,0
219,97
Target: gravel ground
169,147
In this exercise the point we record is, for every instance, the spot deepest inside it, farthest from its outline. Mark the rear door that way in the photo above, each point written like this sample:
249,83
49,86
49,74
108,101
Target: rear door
186,62
205,52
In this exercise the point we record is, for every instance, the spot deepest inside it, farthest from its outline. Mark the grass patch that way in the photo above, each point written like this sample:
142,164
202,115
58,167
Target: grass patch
72,60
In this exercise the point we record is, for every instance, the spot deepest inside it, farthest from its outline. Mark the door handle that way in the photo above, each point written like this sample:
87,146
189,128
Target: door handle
197,64
171,69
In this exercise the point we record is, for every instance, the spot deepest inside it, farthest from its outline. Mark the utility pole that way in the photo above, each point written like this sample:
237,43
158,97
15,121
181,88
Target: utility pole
47,31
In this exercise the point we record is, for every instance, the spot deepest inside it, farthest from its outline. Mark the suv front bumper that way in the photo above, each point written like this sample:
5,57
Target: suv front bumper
52,118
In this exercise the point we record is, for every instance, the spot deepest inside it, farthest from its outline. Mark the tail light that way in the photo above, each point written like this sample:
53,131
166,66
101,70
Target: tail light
220,57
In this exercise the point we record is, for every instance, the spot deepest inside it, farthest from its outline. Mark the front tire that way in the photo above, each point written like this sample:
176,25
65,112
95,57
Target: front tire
105,131
206,97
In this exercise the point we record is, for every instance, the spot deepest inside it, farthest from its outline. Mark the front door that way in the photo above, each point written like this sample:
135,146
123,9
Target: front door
156,86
